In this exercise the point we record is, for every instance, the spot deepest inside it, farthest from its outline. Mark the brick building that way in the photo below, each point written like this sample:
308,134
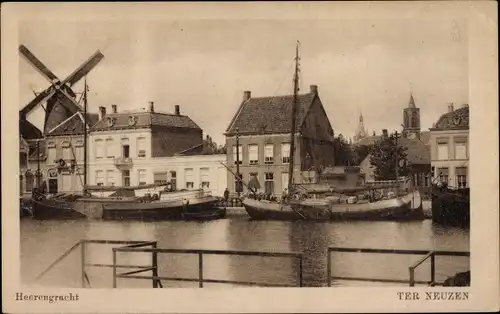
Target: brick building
263,126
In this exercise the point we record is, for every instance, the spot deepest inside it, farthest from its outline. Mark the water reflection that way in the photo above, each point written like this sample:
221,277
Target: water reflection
43,241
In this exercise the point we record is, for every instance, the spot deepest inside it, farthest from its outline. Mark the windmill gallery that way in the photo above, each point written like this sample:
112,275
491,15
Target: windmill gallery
280,162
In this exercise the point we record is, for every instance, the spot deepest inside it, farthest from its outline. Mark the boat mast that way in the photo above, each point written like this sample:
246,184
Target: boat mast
85,134
294,113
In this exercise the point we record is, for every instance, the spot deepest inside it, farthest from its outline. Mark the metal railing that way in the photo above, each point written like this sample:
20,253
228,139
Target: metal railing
426,255
201,279
142,247
85,281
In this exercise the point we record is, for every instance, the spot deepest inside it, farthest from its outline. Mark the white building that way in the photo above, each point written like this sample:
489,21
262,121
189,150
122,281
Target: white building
138,148
450,149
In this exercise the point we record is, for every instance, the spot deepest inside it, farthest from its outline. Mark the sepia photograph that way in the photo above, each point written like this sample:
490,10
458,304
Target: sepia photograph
176,149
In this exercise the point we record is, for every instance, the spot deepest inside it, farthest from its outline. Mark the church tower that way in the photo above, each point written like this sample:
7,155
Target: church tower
411,120
360,130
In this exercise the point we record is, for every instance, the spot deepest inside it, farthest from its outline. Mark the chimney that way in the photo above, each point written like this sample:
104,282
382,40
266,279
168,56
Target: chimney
247,95
102,112
314,89
384,133
151,106
113,109
177,110
450,107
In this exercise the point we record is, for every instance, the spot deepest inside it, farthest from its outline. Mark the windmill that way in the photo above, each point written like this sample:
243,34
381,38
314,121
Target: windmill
59,97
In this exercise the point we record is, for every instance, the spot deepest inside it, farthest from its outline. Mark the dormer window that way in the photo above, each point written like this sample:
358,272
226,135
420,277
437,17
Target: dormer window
132,120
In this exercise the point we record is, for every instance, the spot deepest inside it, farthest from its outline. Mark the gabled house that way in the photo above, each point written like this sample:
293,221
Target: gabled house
64,148
31,156
263,127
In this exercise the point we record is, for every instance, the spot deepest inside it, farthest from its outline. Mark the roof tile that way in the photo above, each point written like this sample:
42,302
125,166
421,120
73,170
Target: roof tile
270,114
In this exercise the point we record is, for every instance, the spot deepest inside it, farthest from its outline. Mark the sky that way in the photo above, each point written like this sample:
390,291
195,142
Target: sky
368,65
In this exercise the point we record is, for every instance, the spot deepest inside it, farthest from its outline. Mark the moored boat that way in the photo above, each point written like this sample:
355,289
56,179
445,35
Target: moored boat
451,206
407,207
268,210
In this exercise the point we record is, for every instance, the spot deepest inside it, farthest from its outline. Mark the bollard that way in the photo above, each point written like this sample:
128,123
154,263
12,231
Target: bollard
114,267
155,266
328,268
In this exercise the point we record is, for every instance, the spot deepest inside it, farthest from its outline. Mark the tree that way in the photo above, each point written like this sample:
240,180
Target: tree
383,158
211,148
359,153
343,152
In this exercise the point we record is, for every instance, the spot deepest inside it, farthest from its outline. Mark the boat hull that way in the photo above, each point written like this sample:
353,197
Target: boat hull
54,209
405,208
408,207
158,210
259,210
451,208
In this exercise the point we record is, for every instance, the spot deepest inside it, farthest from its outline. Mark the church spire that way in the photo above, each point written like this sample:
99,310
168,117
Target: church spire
411,103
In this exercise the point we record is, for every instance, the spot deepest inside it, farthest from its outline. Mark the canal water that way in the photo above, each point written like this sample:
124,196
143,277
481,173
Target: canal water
44,241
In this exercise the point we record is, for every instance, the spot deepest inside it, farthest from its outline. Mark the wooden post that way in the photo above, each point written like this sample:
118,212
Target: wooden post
433,268
83,246
155,265
412,277
329,268
300,271
238,161
114,268
200,269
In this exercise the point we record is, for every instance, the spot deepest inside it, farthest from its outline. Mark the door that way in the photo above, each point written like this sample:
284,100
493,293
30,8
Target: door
52,185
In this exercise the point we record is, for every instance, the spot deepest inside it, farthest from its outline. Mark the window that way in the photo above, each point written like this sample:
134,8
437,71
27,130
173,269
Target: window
67,154
141,147
443,175
79,151
239,152
460,150
141,173
160,177
109,147
99,148
269,154
253,154
29,181
110,175
51,152
269,183
205,178
126,177
189,178
285,153
126,151
442,152
284,180
173,179
99,177
461,173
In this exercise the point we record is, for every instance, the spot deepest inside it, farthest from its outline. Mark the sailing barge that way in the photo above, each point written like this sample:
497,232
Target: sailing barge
406,206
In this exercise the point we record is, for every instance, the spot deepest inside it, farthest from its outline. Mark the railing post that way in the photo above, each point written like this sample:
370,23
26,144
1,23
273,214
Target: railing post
412,277
300,271
328,267
82,246
433,268
200,269
114,267
155,266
